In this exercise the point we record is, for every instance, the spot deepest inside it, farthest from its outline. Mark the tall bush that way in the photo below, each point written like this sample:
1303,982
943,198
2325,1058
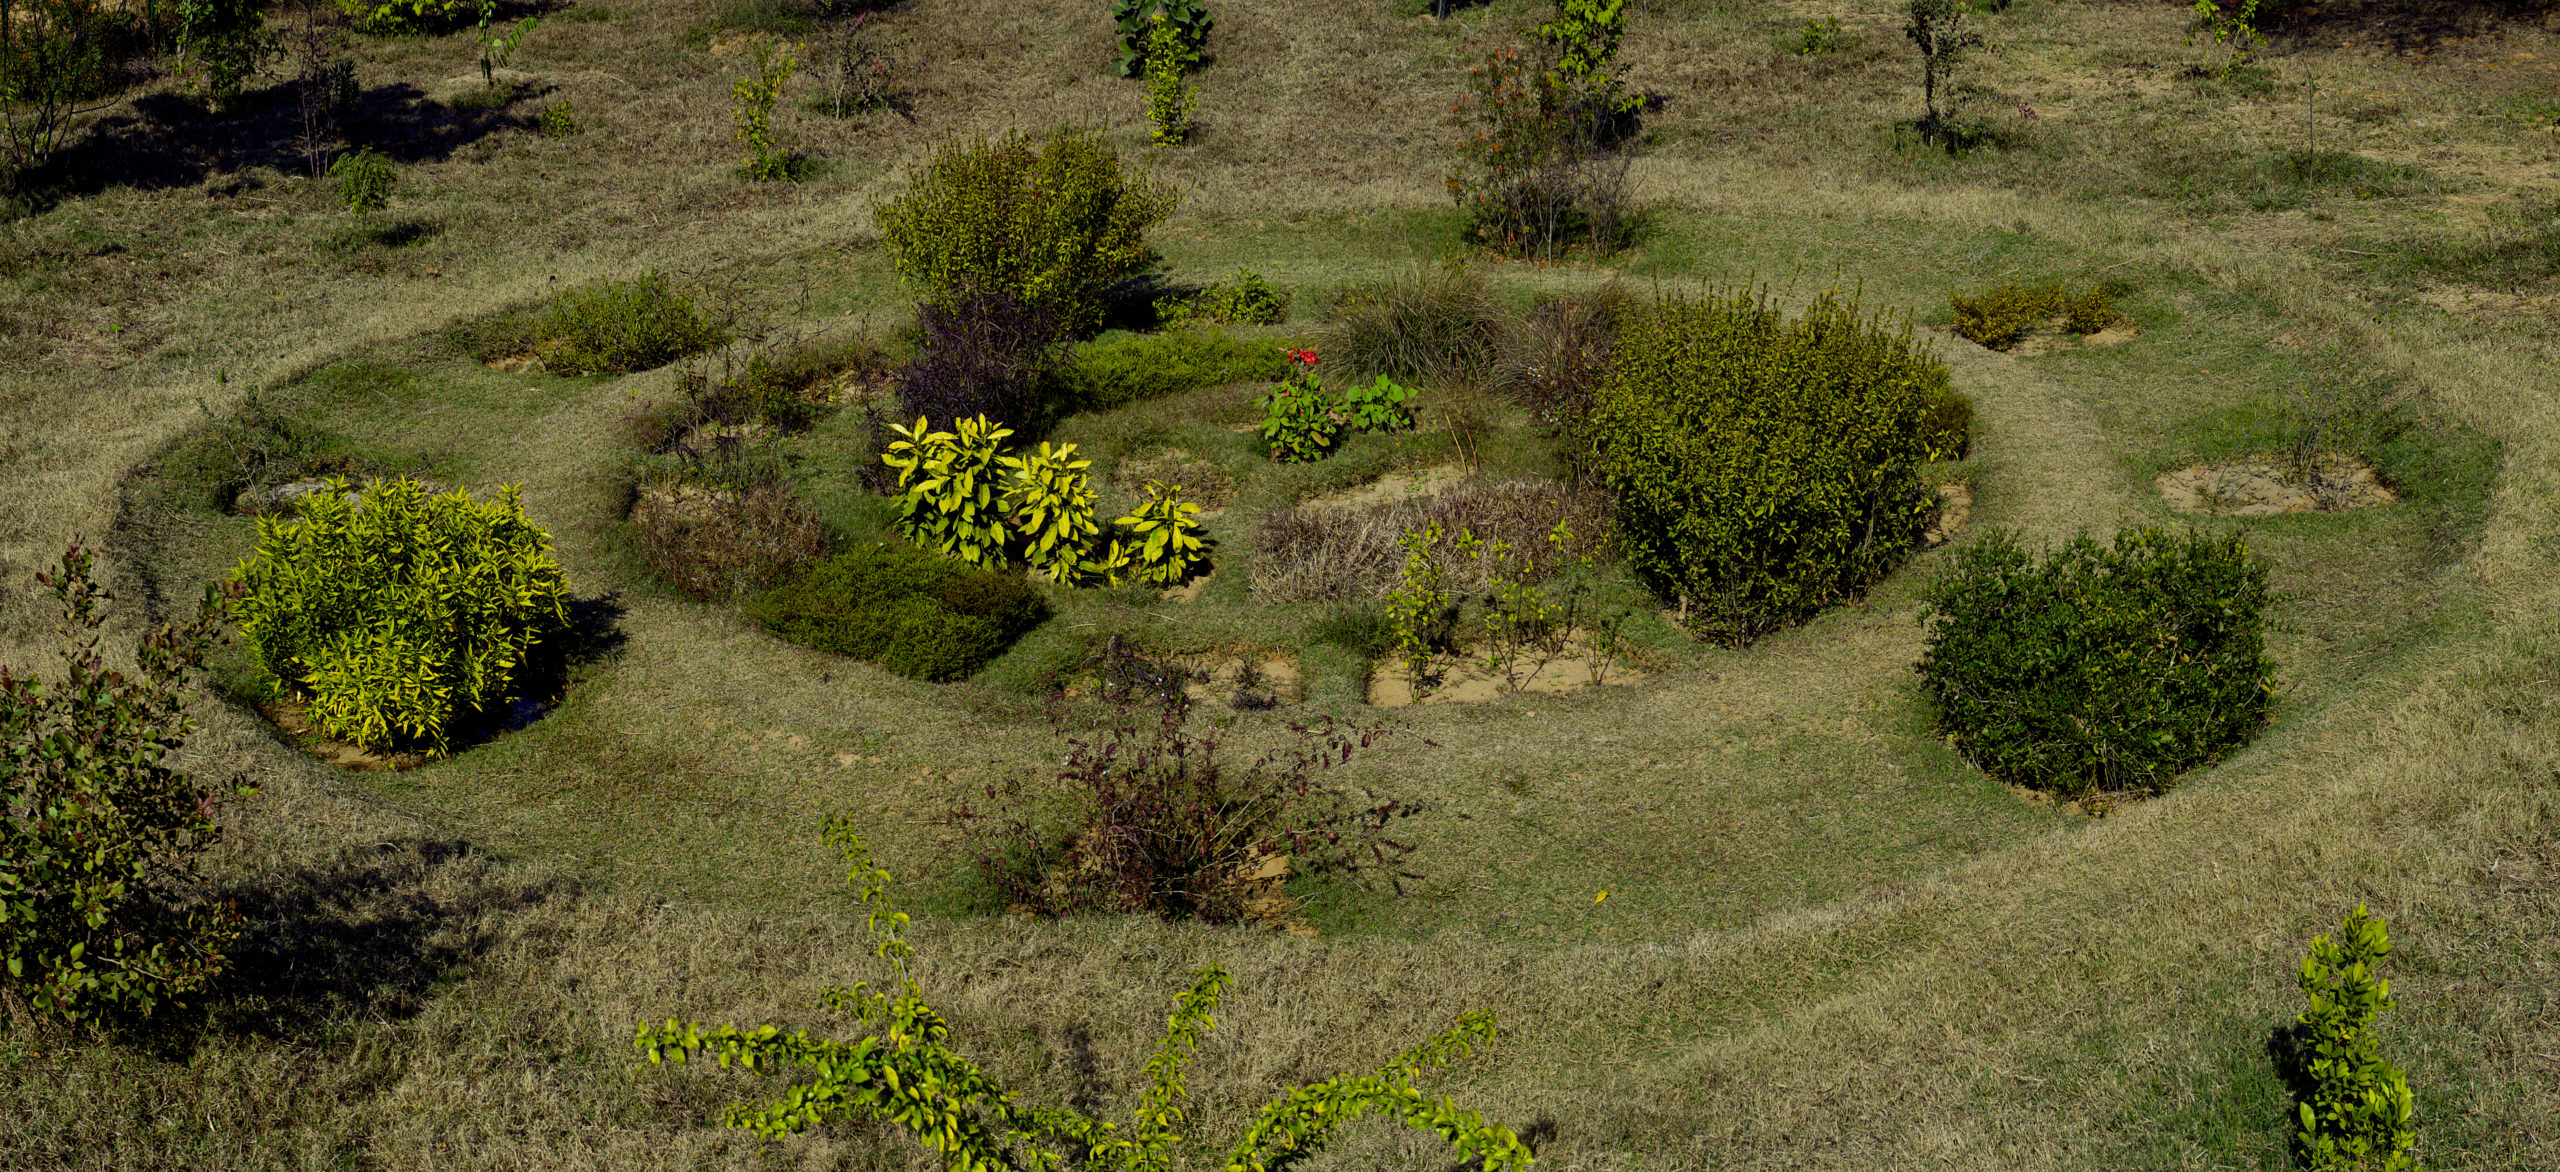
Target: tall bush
1764,467
100,907
2103,667
1050,221
905,1074
1544,168
399,613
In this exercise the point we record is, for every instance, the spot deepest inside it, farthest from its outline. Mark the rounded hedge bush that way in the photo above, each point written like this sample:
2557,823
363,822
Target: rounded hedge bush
2100,667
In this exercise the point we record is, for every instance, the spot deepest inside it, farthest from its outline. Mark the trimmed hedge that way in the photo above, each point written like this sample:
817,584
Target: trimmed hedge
1764,467
906,609
1117,370
2100,667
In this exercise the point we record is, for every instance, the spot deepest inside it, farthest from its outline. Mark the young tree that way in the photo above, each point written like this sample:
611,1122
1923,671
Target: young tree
1938,28
54,57
98,834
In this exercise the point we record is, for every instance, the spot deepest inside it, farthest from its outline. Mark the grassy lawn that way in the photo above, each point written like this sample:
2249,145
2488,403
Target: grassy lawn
1827,941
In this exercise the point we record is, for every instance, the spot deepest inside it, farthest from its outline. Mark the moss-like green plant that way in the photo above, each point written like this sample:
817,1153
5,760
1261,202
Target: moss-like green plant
1245,299
905,1074
906,609
401,613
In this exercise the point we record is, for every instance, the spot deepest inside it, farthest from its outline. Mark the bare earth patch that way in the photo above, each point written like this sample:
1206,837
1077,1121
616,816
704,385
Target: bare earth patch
1252,680
1955,507
1472,680
2263,485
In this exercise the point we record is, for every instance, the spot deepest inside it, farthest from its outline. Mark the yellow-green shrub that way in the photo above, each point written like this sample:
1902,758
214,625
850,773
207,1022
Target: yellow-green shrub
1764,467
2090,312
1050,221
617,327
399,613
1999,316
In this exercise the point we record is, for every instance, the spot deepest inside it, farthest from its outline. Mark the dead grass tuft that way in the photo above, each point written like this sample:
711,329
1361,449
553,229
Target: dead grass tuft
1320,553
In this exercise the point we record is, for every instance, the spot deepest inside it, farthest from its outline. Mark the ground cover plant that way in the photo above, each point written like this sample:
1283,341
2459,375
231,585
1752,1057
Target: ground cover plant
622,326
905,609
1749,910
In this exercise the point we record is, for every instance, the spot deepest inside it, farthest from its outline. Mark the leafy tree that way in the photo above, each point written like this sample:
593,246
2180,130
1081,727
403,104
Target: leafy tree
1938,28
55,55
98,834
906,1074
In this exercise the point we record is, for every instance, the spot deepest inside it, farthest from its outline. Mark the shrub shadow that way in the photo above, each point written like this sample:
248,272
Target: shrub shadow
166,140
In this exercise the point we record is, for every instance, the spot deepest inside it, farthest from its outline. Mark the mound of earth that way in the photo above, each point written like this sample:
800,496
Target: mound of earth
2263,485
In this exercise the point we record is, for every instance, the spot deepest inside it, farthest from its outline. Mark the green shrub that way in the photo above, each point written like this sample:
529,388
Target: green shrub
2000,316
1244,299
403,16
1764,468
1170,100
1190,20
1051,222
557,120
1117,370
2352,1109
951,488
1543,168
1440,322
1164,537
101,909
1948,427
904,608
622,326
401,613
365,180
2090,312
752,98
2100,667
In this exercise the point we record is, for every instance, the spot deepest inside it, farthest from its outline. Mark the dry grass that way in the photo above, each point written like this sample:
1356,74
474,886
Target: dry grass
1330,553
1832,947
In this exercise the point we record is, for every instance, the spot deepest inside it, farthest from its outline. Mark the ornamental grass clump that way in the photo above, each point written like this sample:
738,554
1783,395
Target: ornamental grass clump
1764,467
2100,667
396,613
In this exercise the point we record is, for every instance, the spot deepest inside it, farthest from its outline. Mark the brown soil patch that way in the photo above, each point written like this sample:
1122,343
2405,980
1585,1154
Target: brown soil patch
1393,488
2263,485
1469,679
516,363
1253,680
293,717
1189,590
1955,507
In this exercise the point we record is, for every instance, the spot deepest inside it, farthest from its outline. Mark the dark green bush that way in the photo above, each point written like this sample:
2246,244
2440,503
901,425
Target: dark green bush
2100,667
1440,321
1948,427
1244,299
904,608
1764,467
1051,222
1128,368
622,326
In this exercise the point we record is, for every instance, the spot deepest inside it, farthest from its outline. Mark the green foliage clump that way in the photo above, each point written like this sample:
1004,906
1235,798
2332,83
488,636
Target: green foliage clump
1817,37
1170,100
99,835
401,613
365,180
2352,1110
2100,667
622,326
905,1073
558,120
1164,534
951,488
406,16
752,99
227,41
1998,317
1764,468
1948,427
1136,19
1049,501
1545,168
1585,34
1420,611
903,608
1115,371
1244,299
1049,222
1300,419
2090,312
